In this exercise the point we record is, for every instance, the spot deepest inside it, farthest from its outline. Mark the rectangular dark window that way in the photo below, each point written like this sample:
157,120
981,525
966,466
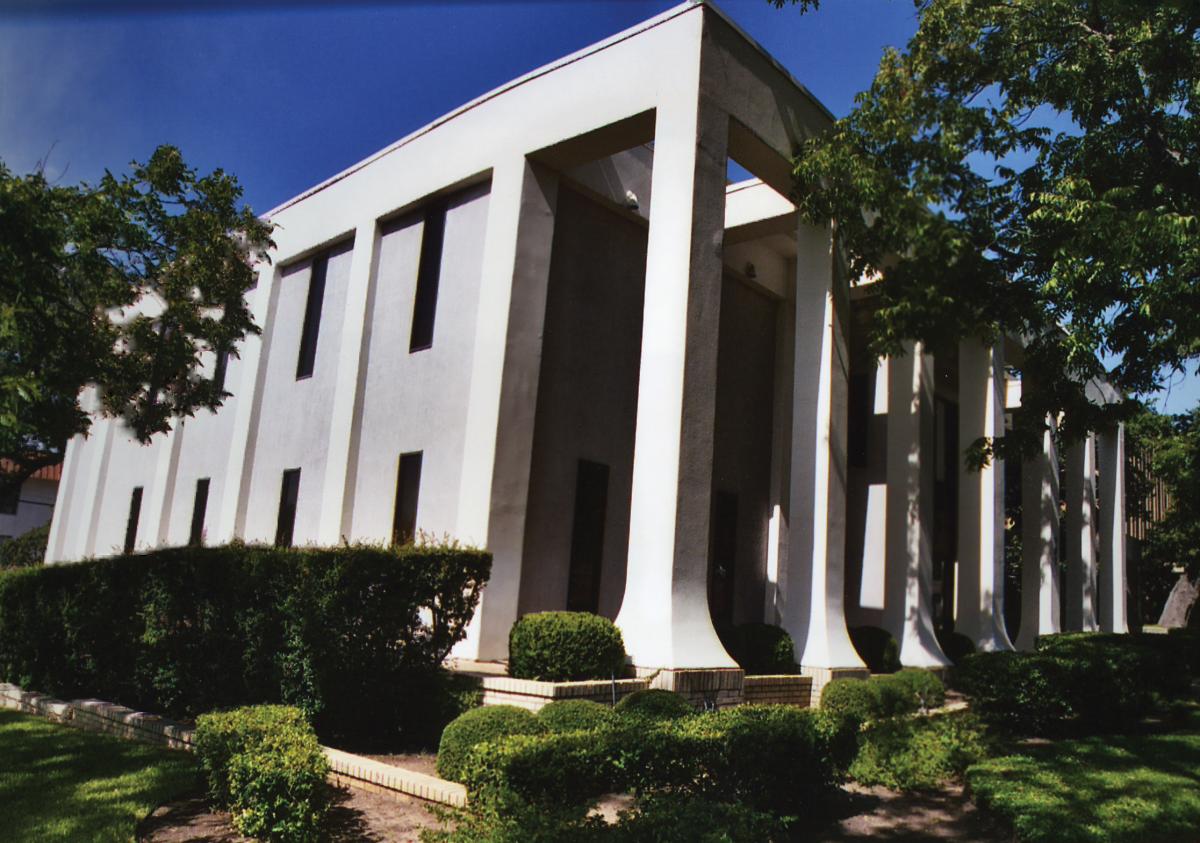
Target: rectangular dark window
587,537
199,508
289,493
723,563
312,316
428,274
10,499
221,367
131,525
408,488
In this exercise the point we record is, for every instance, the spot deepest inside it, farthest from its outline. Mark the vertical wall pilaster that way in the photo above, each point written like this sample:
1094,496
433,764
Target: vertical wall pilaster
908,602
1081,536
153,529
1039,540
781,432
980,580
813,602
498,451
664,614
346,410
1112,531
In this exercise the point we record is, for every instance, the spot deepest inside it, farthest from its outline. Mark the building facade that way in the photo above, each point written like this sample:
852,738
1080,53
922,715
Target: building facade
547,324
31,504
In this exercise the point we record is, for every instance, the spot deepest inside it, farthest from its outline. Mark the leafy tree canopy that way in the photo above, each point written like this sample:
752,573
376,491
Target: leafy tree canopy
1029,168
122,286
1171,447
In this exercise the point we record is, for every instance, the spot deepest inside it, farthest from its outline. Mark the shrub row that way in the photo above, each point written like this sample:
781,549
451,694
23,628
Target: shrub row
264,765
26,550
1086,682
351,635
861,701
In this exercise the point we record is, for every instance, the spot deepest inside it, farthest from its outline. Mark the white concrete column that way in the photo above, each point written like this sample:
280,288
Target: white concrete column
1039,540
812,600
1112,531
908,599
494,490
1082,518
664,615
96,477
63,519
337,495
980,581
235,488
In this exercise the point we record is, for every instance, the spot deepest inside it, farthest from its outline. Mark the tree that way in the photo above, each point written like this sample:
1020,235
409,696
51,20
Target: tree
1029,168
122,286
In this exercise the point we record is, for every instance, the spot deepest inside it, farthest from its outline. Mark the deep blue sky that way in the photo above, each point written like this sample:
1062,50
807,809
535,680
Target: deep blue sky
285,94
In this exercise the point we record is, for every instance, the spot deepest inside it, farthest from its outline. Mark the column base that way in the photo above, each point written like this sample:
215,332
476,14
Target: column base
822,676
706,688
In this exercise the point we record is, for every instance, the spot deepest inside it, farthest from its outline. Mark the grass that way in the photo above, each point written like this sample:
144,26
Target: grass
61,784
1114,788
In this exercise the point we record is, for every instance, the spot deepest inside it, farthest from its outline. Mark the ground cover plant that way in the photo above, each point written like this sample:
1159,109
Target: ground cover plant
1115,788
62,784
354,636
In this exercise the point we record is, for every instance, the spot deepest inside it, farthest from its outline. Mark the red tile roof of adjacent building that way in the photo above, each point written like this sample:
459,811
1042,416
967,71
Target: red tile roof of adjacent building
48,472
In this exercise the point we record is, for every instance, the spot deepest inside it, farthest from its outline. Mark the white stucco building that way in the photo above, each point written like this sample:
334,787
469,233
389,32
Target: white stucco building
548,325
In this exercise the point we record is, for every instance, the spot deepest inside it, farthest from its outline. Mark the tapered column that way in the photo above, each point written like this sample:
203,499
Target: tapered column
664,615
1080,609
1111,450
980,580
908,609
503,401
1039,539
812,607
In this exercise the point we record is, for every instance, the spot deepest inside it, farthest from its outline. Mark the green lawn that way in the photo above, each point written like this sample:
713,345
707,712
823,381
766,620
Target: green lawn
1117,789
60,784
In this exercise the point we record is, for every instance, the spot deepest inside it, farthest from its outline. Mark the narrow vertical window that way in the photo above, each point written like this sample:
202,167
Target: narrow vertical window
131,525
199,508
10,500
408,488
428,273
288,495
221,367
587,537
312,316
723,565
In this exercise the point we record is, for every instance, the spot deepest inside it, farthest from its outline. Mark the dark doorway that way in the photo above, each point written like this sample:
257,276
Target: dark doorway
587,537
408,490
722,566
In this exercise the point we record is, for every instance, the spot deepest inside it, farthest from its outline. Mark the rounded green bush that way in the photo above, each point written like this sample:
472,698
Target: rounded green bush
925,688
853,701
655,704
877,648
564,647
574,715
761,648
956,646
476,726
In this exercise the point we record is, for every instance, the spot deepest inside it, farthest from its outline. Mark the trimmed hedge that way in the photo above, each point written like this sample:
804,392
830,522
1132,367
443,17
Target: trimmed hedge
761,648
478,726
859,701
565,647
574,715
264,765
1085,682
877,648
654,704
352,635
27,550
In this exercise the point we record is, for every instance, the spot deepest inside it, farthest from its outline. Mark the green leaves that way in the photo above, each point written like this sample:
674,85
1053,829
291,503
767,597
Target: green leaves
123,286
1029,168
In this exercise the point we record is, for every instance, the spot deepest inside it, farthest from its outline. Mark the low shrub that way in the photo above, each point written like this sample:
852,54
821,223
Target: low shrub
477,726
921,689
654,704
918,753
877,648
575,715
955,645
565,646
1017,692
761,648
27,550
352,635
264,765
854,701
552,769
